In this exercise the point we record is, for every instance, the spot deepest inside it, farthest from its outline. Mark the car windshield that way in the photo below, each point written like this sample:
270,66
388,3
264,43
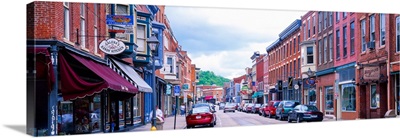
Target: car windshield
230,104
310,108
289,104
200,105
200,110
251,105
276,104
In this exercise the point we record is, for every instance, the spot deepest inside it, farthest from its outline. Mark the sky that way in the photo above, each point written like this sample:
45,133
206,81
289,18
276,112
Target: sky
223,40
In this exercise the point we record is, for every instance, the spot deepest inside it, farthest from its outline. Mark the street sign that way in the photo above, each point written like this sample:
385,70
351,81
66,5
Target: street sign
112,46
185,97
177,90
119,20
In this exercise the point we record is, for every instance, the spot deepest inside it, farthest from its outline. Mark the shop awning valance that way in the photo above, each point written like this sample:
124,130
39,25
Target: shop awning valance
130,71
73,86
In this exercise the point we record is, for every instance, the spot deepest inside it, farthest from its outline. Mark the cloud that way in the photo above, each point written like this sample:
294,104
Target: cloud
222,40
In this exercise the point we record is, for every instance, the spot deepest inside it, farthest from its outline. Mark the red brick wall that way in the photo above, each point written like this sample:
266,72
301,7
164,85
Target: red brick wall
339,26
391,42
46,21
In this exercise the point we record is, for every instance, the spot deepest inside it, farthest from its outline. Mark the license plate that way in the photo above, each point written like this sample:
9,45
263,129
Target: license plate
198,117
314,116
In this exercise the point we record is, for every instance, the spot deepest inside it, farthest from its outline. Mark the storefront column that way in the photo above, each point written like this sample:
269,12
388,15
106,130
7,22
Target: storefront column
53,97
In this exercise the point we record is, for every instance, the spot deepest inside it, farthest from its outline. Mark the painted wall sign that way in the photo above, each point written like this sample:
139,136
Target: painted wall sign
112,46
119,20
371,73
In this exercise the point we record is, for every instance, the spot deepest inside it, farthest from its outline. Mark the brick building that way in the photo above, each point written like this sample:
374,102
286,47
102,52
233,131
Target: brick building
284,57
394,65
325,62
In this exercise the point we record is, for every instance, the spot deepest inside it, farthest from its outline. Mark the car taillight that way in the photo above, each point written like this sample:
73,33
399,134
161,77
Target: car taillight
308,112
283,110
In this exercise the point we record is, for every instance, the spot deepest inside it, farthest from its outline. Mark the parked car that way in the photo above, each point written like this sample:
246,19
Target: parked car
243,107
305,113
255,108
229,107
270,110
261,111
201,116
284,108
248,108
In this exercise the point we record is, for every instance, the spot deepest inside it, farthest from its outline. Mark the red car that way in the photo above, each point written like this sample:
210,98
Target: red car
201,116
270,110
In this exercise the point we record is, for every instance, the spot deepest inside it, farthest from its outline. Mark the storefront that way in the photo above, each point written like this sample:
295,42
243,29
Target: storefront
326,99
347,101
373,86
95,97
396,82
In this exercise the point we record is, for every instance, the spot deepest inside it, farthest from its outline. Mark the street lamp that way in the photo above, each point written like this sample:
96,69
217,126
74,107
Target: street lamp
153,44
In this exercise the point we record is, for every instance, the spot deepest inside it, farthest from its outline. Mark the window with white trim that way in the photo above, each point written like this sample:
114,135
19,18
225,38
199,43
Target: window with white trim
83,28
352,39
372,28
363,41
121,9
382,29
141,37
310,55
96,11
398,34
330,47
66,21
329,93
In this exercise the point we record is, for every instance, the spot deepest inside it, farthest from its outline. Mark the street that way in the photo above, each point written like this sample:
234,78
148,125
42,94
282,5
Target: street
237,118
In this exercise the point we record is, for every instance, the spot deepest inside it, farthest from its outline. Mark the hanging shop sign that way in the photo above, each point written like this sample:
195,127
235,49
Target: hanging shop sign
112,46
119,20
371,73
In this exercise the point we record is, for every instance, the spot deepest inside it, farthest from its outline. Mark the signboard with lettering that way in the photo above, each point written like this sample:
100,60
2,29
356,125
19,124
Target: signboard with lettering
119,20
177,90
280,85
290,83
112,46
371,73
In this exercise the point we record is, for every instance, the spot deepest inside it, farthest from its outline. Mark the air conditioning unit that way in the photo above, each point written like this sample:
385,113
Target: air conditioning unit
371,45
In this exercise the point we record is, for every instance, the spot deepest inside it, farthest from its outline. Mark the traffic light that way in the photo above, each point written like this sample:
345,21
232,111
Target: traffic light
279,85
290,83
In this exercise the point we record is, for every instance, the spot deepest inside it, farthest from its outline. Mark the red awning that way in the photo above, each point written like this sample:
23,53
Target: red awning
43,66
208,97
72,86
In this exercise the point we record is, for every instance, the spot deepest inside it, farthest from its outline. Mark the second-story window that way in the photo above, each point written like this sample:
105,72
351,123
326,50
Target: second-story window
382,29
310,55
309,26
372,28
398,34
66,20
325,49
314,23
170,65
352,49
83,28
95,7
330,47
363,41
141,37
319,52
337,44
345,41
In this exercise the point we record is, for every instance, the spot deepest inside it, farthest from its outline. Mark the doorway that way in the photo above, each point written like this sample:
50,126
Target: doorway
363,101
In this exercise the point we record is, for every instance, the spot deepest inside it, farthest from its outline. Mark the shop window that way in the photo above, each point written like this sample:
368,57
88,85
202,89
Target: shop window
81,115
348,96
329,98
136,109
128,112
65,118
121,115
95,113
374,97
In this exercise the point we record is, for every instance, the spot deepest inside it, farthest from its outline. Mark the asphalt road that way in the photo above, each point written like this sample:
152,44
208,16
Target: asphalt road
237,118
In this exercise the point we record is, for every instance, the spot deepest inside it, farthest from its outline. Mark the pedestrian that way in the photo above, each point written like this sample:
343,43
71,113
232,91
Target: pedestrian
159,118
182,109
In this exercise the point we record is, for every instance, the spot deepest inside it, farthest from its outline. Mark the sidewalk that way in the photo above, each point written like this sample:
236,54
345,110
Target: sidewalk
168,125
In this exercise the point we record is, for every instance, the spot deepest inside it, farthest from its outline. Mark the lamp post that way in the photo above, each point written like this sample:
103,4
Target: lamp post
153,44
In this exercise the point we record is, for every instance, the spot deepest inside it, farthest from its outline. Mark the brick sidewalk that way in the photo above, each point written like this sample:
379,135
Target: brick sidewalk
168,125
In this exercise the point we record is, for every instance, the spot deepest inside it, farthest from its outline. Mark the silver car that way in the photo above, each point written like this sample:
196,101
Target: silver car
230,107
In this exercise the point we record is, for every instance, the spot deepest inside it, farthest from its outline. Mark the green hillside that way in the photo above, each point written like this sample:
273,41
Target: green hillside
209,78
